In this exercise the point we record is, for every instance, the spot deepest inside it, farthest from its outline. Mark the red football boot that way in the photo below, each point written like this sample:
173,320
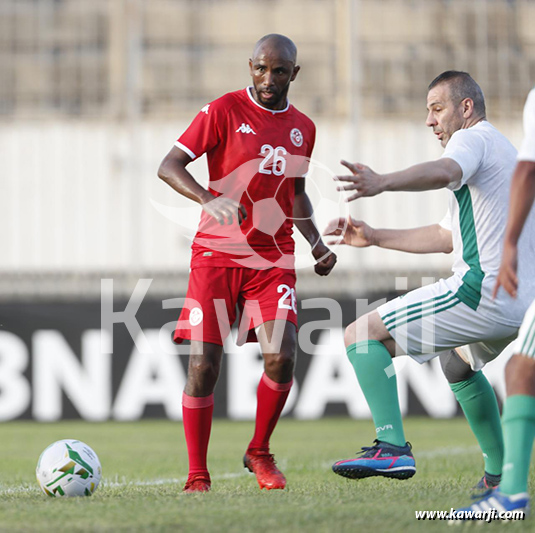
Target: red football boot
262,464
197,483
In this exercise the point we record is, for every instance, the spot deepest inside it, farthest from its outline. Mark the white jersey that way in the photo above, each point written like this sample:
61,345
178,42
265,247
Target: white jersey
525,344
477,218
527,150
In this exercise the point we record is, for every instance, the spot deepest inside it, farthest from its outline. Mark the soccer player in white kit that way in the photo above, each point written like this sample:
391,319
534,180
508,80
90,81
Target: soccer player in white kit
455,318
519,407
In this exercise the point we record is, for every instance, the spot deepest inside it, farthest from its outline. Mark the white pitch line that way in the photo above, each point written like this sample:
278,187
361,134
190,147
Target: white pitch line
4,491
118,484
454,450
170,481
428,454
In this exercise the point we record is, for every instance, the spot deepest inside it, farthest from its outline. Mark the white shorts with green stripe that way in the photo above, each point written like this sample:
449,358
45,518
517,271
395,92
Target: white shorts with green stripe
525,343
432,319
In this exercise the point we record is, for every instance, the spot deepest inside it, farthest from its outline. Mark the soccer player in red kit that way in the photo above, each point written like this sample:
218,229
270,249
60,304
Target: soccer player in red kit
258,147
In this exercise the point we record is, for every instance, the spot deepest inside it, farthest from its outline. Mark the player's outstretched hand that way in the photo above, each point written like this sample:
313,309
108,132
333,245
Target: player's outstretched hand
225,210
363,180
326,259
353,232
507,277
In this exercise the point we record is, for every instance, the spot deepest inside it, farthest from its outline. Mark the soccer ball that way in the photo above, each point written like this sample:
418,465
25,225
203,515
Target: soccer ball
68,468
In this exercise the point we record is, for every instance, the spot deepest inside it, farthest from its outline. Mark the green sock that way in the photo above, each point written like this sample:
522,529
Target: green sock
519,431
381,391
480,406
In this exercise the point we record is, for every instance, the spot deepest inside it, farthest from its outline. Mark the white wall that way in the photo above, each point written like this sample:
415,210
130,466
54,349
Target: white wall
79,196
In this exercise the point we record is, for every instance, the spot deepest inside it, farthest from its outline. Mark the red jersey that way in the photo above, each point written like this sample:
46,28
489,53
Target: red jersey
253,155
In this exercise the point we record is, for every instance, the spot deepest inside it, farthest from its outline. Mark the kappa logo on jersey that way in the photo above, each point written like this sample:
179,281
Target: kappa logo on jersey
296,137
245,128
205,109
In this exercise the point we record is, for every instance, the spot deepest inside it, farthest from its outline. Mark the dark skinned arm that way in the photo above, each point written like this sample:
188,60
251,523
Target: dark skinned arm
173,171
303,220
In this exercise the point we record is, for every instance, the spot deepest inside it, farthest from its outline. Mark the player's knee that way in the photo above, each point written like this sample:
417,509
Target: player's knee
283,361
358,331
454,368
520,375
275,339
510,372
511,368
204,370
519,368
350,334
288,346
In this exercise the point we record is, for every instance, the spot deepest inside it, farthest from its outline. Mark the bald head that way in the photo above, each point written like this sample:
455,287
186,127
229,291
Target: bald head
276,43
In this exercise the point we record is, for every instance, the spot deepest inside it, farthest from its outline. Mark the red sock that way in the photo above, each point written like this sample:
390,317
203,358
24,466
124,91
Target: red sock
271,397
197,417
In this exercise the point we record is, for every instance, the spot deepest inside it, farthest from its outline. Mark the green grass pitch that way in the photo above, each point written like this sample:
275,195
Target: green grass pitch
145,464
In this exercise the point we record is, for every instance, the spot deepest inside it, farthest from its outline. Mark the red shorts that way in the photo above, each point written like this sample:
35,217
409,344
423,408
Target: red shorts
214,292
